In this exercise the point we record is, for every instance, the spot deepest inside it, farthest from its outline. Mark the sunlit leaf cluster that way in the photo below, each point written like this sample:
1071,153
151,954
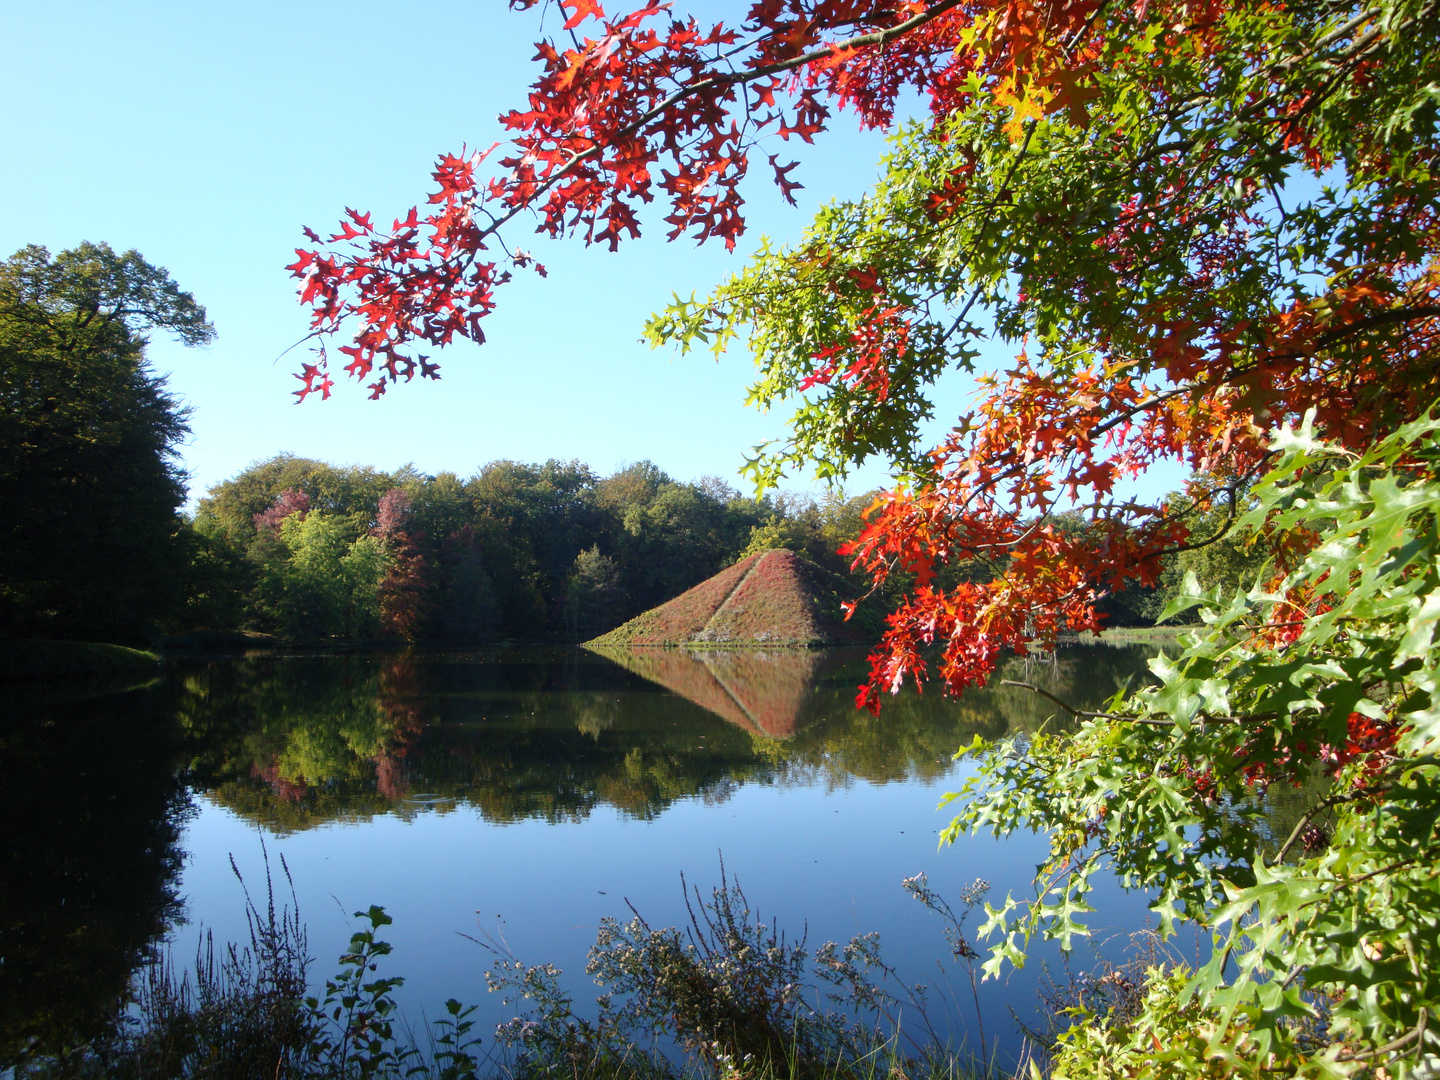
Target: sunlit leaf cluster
1326,679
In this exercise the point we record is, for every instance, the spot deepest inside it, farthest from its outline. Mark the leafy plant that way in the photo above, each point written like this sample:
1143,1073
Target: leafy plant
728,987
1330,672
356,1030
358,1009
242,1014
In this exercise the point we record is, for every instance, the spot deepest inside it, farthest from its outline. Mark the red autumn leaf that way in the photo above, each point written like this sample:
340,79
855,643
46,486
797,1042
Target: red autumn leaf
580,10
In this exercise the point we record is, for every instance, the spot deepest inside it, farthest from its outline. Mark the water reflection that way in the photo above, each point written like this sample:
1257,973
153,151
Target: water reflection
92,810
761,691
295,741
93,792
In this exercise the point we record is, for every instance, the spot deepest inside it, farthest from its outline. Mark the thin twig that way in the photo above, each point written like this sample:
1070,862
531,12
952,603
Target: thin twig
1318,809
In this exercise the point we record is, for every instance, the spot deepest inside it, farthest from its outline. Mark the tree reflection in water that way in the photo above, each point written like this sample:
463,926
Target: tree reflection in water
93,796
92,808
294,741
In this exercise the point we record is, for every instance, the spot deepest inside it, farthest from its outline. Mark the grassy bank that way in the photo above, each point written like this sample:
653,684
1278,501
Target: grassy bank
219,641
73,661
1128,635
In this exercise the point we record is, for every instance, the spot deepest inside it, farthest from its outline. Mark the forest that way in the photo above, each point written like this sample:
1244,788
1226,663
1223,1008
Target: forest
98,543
309,551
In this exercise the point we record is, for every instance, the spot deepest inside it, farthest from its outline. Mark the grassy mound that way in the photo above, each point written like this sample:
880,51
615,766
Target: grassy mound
72,661
775,598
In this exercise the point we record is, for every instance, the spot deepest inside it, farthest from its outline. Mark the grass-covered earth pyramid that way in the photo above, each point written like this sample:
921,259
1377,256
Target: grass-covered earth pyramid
775,598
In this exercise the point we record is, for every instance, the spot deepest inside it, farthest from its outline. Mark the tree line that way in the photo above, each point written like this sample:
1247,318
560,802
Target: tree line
306,550
95,543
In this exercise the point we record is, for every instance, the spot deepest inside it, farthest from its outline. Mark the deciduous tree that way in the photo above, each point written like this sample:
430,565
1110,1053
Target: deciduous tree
1198,219
315,580
91,544
1194,223
405,590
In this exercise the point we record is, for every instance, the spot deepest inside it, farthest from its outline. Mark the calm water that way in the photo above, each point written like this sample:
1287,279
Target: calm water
522,794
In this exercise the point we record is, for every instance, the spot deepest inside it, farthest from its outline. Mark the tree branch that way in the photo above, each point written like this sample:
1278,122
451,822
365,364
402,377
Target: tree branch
1078,713
1415,1035
1315,811
712,82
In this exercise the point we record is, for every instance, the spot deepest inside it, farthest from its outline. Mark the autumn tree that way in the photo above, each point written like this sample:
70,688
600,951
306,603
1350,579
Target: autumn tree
1207,233
405,597
1196,219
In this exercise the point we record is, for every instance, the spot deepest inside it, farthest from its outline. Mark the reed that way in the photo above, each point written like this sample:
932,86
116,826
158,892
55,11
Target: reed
728,997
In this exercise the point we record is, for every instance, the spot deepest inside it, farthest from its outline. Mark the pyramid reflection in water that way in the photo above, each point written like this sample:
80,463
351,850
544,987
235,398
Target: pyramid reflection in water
760,690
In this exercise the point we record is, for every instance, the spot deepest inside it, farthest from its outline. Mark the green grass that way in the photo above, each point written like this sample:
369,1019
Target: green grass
1129,635
206,640
73,661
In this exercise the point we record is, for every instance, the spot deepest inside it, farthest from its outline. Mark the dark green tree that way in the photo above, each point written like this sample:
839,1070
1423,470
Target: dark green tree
91,544
678,536
531,522
439,507
469,609
593,595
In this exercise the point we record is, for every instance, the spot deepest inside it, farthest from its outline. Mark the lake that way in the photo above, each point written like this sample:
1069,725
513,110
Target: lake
516,795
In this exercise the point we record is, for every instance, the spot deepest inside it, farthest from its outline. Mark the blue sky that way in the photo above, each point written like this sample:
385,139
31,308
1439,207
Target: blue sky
206,135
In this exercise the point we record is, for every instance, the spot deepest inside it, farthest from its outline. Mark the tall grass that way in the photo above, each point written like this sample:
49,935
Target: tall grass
726,997
238,1013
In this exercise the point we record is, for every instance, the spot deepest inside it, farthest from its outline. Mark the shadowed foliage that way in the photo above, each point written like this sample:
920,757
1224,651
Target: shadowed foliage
91,545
